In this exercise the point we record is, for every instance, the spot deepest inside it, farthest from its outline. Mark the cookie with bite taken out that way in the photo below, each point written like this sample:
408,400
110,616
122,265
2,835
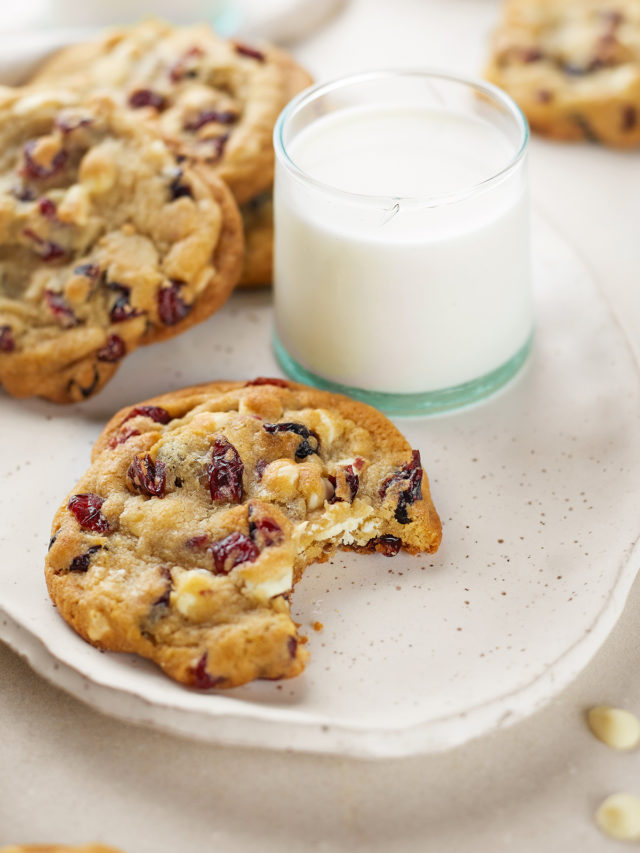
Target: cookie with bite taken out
202,508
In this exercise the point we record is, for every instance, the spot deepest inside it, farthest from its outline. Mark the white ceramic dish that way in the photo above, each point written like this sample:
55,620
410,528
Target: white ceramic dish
537,489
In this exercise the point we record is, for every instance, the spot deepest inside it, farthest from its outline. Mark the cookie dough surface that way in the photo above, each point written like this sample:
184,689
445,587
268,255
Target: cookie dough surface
107,242
573,67
202,508
214,100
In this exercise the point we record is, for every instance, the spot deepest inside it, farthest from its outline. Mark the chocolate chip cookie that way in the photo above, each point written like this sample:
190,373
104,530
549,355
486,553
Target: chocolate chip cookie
573,67
214,100
202,508
108,242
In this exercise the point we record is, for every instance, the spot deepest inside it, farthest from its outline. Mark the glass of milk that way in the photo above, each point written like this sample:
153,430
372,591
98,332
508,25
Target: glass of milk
402,259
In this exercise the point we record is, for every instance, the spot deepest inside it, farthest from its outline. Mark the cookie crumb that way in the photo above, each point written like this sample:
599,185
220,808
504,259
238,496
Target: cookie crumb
317,626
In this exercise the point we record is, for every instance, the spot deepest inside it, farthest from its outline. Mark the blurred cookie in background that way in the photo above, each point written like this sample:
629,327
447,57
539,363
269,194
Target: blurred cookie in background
573,67
213,100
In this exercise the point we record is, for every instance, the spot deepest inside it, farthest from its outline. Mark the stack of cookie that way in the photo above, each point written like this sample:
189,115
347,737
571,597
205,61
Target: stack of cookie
573,67
123,164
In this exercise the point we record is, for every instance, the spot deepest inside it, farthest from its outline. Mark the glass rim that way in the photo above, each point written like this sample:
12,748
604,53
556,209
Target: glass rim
317,90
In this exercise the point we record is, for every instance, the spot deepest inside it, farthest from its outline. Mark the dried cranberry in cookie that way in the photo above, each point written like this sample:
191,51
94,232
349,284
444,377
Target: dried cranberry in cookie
107,242
219,497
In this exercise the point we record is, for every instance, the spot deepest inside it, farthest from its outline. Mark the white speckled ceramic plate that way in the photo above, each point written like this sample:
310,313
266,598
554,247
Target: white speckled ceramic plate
537,489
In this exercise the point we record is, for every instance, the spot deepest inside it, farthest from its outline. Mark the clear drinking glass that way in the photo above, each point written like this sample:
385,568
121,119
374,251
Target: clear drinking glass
402,257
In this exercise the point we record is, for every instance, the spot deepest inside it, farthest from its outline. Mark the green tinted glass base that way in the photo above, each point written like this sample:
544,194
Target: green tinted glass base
426,403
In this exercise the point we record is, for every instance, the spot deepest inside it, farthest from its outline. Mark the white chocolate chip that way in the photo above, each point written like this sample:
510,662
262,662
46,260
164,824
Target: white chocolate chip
619,817
268,584
98,625
36,101
617,728
193,595
74,207
98,169
281,476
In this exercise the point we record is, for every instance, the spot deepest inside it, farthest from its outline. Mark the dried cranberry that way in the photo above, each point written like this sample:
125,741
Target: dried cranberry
585,126
261,464
264,531
198,541
60,309
148,476
68,124
267,380
87,510
411,474
90,271
543,96
123,436
629,118
224,472
156,413
575,70
171,307
304,449
209,117
177,188
146,98
36,171
113,350
251,52
612,17
81,563
179,69
47,208
47,249
24,193
352,482
231,551
218,143
387,545
7,341
530,54
201,677
292,646
85,390
165,598
121,309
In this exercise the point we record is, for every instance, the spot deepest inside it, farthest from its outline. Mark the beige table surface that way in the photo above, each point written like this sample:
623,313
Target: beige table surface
69,774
